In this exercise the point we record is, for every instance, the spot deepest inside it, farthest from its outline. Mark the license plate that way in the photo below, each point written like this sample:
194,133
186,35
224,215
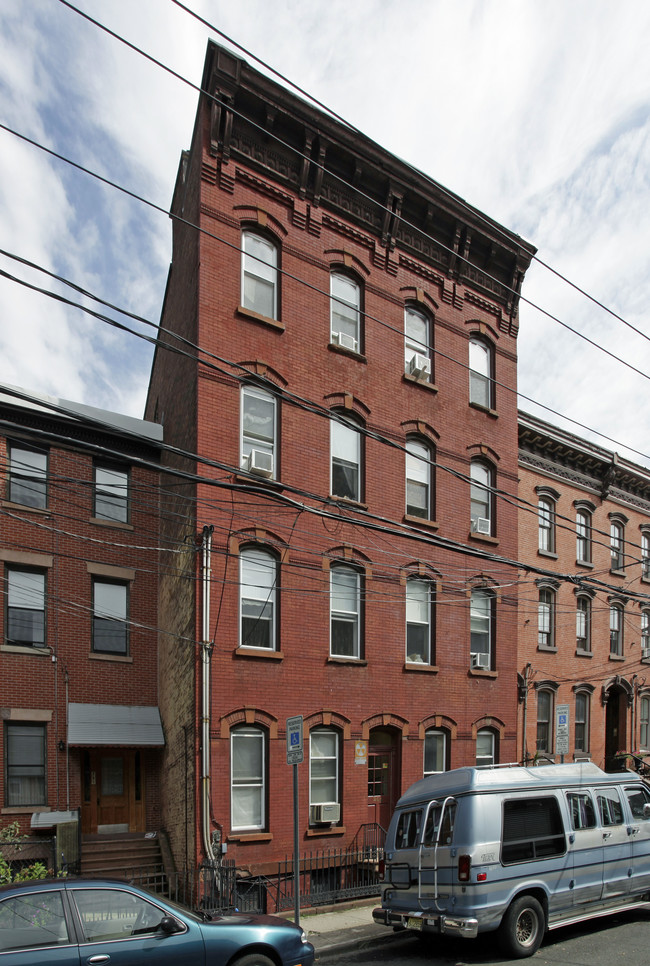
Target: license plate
413,923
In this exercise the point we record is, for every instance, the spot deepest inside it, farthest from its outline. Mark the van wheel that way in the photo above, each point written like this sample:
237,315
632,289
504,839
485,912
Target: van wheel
522,928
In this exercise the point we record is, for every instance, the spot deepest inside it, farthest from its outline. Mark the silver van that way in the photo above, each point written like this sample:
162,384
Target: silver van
516,850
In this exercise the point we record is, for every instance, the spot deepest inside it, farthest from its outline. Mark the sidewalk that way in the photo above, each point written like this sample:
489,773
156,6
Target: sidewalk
336,928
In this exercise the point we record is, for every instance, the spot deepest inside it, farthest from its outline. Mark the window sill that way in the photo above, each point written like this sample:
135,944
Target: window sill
31,651
44,511
421,666
257,317
547,553
345,502
254,479
581,652
474,672
616,572
585,563
250,837
335,659
118,658
263,652
342,351
484,409
617,657
113,524
24,809
420,521
422,383
482,538
315,833
547,648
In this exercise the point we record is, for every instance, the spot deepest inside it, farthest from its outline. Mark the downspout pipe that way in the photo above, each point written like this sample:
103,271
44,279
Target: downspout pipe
206,657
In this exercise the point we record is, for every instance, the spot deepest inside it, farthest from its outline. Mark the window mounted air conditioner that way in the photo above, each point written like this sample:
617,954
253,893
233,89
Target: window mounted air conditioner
325,814
345,341
481,525
260,462
419,366
481,661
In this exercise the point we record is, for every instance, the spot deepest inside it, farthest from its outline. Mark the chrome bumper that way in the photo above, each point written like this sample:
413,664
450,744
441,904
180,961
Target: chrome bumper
467,928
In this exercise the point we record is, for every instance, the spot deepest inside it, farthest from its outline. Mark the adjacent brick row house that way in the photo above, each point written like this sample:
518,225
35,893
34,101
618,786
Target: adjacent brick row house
78,656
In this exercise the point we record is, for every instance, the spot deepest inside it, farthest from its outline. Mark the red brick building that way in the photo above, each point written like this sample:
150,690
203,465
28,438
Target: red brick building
78,656
584,616
338,346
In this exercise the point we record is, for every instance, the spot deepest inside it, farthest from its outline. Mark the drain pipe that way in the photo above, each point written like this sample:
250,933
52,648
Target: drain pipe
206,656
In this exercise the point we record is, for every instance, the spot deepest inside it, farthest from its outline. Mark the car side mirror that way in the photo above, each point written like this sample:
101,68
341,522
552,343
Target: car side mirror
169,925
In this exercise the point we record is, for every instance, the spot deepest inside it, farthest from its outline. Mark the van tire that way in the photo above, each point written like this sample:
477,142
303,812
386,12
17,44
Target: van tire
522,928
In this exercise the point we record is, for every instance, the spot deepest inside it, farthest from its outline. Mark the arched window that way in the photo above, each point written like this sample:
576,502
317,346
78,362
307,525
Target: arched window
644,717
545,705
324,753
257,586
546,524
645,634
417,343
583,536
486,747
346,455
259,266
481,630
481,373
581,731
345,612
419,621
645,555
546,618
436,751
482,498
247,778
258,431
419,476
583,623
616,614
345,312
617,545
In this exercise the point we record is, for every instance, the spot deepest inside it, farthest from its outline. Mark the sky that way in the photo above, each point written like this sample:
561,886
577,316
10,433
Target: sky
536,112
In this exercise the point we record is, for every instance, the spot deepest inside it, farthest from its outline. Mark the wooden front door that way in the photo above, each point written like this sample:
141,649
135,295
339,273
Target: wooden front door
383,775
112,791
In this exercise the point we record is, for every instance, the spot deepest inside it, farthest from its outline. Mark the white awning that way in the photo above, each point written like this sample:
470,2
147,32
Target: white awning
114,724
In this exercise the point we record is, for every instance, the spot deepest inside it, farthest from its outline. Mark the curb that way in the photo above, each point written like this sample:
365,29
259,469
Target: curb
348,939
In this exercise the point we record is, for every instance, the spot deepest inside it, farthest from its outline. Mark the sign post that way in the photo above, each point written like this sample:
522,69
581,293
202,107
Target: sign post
295,755
562,730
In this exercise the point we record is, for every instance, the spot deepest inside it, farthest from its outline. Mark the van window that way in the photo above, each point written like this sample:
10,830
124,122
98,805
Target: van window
581,810
408,830
637,796
532,829
433,821
609,806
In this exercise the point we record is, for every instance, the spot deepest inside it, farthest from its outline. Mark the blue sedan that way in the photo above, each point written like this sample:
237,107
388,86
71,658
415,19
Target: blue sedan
90,922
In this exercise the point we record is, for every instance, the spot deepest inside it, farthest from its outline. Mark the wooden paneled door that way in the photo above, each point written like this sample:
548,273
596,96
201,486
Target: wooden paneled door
113,799
383,775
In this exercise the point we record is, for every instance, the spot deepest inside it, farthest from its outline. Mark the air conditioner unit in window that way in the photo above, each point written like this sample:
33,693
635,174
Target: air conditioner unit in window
481,525
345,341
481,661
325,814
419,366
260,462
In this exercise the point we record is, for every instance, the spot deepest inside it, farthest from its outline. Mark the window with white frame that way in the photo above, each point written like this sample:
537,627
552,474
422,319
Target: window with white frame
644,719
111,494
616,614
110,611
435,751
481,498
25,761
481,618
346,449
645,634
247,778
419,605
546,618
417,343
419,489
485,748
345,612
257,587
545,703
546,524
581,731
481,379
25,618
645,556
345,312
583,623
583,536
258,431
259,266
616,542
323,766
27,476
